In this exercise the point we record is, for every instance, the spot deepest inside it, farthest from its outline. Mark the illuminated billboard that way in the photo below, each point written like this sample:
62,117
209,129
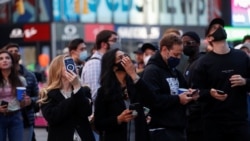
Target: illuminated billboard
240,12
236,33
136,12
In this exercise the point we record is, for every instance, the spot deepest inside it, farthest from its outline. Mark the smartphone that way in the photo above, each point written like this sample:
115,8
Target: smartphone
70,64
133,107
193,93
220,92
146,111
4,103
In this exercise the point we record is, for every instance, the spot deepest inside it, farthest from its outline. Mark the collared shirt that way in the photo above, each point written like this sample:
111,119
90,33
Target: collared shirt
91,74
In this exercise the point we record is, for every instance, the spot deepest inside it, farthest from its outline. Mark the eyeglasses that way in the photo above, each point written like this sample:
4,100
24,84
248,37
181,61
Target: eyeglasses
114,40
189,43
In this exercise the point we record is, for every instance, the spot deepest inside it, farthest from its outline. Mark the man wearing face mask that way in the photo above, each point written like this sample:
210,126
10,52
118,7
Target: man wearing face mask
191,43
227,70
78,51
169,111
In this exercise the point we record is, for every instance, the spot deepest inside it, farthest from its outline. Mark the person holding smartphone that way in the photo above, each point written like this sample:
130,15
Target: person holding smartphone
119,114
65,104
223,77
11,124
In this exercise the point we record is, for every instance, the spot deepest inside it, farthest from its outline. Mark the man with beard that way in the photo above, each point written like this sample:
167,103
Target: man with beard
222,77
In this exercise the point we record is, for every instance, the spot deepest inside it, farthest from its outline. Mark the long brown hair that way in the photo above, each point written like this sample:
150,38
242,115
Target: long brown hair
13,77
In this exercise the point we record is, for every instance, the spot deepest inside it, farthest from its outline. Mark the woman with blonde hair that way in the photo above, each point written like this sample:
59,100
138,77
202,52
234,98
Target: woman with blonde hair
65,104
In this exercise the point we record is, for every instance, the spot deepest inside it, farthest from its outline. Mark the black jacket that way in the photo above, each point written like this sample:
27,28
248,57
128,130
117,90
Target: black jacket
167,112
32,91
64,116
107,109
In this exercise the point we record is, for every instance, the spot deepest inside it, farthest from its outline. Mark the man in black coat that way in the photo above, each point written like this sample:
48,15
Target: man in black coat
169,111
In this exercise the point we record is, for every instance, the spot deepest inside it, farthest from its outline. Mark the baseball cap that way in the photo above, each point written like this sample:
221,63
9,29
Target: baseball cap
138,51
148,46
214,21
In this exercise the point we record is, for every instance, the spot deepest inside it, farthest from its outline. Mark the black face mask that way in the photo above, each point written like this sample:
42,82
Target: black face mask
119,67
219,34
189,50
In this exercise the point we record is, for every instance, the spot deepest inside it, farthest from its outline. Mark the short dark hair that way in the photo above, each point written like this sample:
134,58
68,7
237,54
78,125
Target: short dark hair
246,37
10,45
169,40
103,36
74,43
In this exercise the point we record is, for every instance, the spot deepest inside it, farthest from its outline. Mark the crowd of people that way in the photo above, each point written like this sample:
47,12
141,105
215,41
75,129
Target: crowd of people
172,91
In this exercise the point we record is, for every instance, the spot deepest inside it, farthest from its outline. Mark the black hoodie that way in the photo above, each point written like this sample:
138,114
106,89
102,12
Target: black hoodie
167,112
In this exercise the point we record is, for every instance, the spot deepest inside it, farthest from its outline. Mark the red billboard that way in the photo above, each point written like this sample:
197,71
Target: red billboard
91,30
36,32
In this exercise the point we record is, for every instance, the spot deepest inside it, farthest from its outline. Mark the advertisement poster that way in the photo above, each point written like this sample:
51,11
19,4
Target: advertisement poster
136,12
240,12
24,11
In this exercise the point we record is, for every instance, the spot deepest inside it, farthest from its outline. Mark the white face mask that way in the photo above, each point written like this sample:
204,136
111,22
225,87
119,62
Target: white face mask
145,59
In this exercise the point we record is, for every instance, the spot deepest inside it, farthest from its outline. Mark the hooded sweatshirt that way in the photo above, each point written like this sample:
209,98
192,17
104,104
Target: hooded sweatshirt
167,112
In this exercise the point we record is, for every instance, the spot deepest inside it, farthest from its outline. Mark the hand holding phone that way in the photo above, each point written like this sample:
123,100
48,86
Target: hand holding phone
133,107
193,93
220,92
4,103
69,64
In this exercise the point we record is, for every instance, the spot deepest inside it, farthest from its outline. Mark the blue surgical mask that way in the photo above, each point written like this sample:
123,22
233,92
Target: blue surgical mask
116,45
173,62
83,55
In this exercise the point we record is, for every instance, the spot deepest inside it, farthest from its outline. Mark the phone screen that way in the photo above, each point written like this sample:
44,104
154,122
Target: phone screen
220,92
70,64
4,103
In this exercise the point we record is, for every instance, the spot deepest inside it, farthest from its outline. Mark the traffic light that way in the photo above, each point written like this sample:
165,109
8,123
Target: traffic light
20,7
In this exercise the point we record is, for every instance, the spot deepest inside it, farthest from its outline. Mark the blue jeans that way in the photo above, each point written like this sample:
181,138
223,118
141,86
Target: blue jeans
28,133
96,135
11,126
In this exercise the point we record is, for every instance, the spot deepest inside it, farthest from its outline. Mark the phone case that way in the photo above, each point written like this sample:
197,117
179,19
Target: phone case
70,64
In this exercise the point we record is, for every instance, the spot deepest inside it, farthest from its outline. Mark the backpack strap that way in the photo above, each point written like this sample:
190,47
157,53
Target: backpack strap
94,58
